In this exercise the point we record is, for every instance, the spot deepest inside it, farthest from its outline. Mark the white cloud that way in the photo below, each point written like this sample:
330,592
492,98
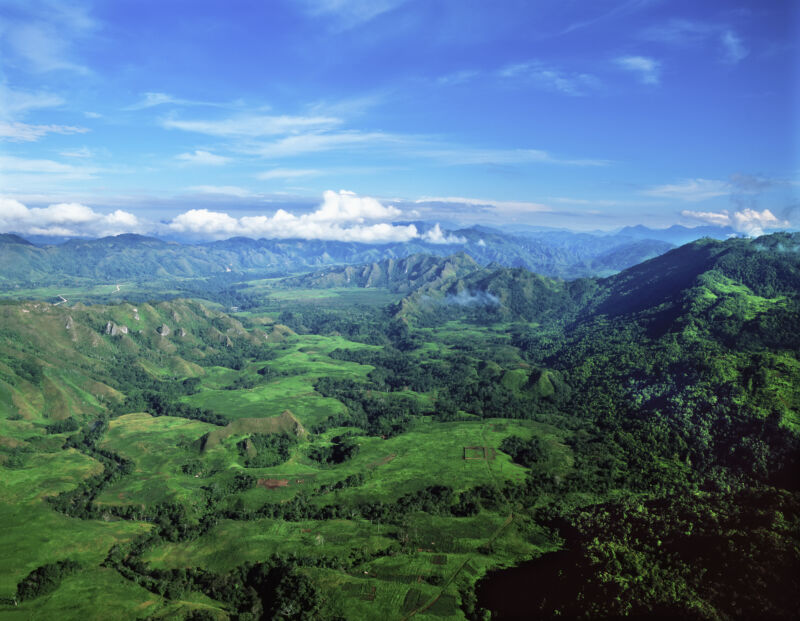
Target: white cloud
223,190
43,47
151,100
203,158
550,78
342,216
286,173
349,13
24,132
13,164
717,218
692,190
14,103
733,47
83,152
437,236
749,221
499,206
67,219
647,69
252,126
679,32
458,77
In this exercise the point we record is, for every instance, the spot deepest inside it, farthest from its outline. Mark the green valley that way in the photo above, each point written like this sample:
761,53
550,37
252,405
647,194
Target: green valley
373,441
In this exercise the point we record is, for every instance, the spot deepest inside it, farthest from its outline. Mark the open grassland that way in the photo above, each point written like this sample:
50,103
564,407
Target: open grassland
301,361
158,447
33,534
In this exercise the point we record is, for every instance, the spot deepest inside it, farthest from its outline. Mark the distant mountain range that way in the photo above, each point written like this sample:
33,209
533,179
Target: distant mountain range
555,254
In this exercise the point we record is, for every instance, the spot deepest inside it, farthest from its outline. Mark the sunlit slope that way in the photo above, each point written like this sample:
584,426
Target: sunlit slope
56,361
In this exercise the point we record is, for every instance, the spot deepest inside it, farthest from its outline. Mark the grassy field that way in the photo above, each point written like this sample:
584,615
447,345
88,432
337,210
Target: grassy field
431,556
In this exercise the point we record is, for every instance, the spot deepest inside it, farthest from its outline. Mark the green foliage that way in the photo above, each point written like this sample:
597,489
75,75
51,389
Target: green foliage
524,452
45,579
266,450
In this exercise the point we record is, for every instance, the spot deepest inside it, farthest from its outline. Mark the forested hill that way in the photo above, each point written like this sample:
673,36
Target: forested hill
398,275
567,255
730,279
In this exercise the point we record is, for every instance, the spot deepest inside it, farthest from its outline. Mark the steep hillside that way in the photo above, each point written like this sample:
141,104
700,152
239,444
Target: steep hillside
398,275
58,361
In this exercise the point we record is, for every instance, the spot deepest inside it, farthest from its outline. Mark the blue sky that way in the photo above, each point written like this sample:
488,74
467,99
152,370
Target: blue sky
210,118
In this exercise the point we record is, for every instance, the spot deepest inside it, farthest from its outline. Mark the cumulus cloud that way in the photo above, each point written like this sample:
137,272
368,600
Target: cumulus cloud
342,216
64,219
437,236
648,69
203,158
748,221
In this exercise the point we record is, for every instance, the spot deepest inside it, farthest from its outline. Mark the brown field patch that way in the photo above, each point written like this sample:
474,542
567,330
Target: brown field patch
382,462
273,483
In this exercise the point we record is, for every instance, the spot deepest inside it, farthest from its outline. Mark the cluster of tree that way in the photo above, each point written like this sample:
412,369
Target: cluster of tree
62,426
274,589
27,369
695,556
378,414
264,450
79,501
341,449
524,452
45,579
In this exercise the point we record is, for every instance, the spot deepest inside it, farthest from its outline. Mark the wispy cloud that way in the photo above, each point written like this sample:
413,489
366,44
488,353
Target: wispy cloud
16,103
692,190
41,35
287,173
679,32
203,158
13,164
82,153
24,132
455,155
648,69
507,207
550,78
349,13
151,100
458,77
252,126
222,190
733,47
686,33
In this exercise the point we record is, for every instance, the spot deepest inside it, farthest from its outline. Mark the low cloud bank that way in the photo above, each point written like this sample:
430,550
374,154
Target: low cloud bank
342,216
751,222
65,219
